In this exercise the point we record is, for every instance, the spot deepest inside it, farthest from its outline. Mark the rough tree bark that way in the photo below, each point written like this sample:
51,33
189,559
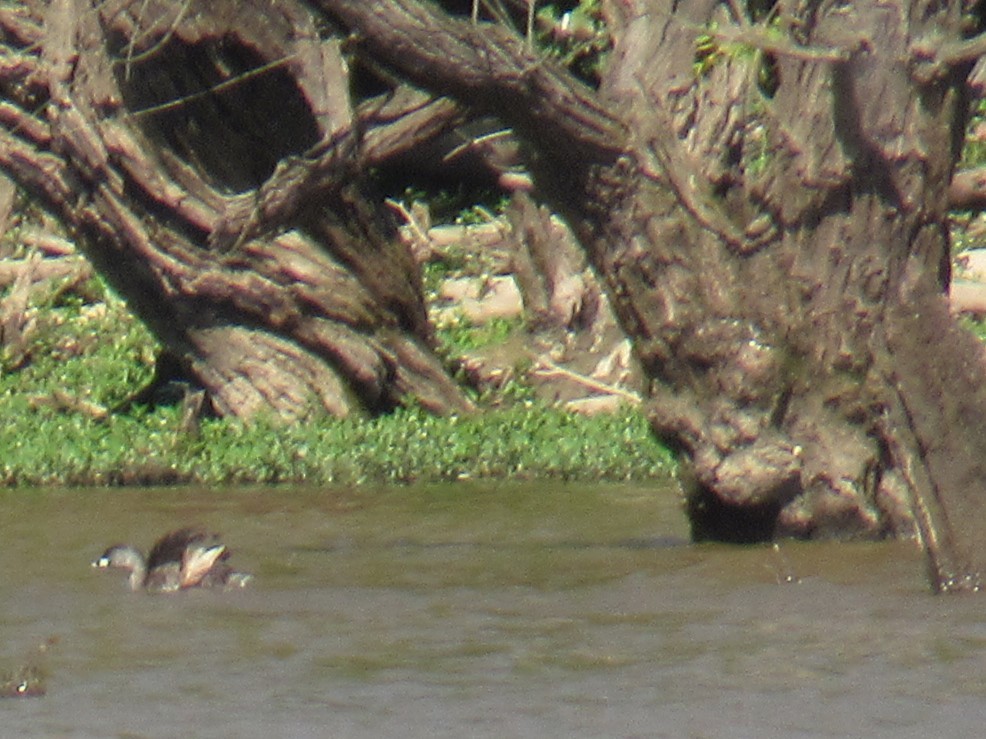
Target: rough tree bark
209,159
768,211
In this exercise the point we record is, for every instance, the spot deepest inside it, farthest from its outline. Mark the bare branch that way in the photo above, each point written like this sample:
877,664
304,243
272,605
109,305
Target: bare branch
490,67
758,38
950,54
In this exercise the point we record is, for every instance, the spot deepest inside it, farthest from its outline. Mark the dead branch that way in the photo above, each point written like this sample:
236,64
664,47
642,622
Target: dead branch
15,324
32,270
64,402
546,367
48,243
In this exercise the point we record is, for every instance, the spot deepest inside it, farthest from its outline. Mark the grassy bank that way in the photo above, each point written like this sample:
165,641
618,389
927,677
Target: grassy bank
90,351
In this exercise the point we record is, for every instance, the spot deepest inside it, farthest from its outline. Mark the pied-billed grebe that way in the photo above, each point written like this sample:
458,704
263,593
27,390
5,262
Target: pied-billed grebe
187,558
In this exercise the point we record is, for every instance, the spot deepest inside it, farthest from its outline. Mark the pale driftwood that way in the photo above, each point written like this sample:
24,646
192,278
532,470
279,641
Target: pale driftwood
48,243
490,240
967,190
971,265
596,405
492,233
546,367
43,270
967,296
967,292
478,300
62,401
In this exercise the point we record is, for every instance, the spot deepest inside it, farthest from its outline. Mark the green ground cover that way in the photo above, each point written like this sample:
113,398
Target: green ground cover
93,351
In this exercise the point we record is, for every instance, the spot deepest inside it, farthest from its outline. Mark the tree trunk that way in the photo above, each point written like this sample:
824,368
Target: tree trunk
208,158
769,217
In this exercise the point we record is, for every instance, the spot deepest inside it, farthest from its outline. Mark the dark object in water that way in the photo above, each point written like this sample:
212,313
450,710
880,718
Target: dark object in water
187,558
28,680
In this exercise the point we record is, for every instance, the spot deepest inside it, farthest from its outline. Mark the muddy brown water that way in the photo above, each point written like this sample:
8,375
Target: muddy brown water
473,610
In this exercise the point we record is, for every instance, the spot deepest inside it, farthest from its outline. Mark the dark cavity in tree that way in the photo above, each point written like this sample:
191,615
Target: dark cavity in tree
219,107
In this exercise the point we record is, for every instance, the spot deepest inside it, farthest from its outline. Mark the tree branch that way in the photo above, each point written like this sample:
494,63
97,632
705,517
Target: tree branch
956,52
487,66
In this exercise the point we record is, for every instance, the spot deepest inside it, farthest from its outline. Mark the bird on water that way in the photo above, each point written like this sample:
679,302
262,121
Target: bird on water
187,558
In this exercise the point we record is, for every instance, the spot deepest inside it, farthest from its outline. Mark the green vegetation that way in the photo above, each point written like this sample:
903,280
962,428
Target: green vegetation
90,347
974,151
462,336
93,351
460,204
976,325
575,34
523,441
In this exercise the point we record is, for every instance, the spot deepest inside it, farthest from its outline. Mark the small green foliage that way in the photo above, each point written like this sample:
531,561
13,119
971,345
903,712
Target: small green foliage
510,393
708,51
462,336
975,325
459,204
974,152
711,50
95,350
757,154
575,34
434,273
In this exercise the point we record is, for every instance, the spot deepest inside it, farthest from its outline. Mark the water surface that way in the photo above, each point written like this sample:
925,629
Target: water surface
472,610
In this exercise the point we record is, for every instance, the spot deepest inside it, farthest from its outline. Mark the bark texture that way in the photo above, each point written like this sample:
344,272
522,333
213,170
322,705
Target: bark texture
769,217
209,159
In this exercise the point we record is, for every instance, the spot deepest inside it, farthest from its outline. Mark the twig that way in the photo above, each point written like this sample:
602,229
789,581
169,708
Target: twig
419,233
547,367
758,38
48,243
476,141
950,54
62,401
220,87
32,270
